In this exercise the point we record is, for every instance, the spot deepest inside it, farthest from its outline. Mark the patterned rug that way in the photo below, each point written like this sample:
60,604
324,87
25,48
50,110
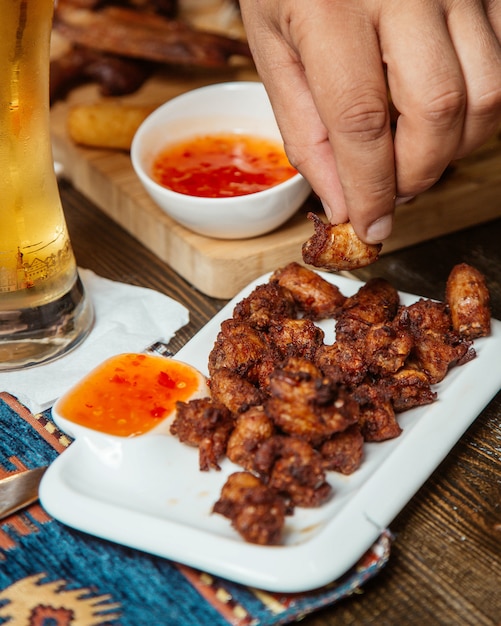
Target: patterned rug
52,574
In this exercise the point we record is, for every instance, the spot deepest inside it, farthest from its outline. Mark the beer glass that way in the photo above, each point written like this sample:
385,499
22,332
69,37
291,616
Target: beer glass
44,311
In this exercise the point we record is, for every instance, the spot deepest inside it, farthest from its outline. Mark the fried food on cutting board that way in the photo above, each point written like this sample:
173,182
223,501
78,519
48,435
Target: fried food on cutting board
105,124
119,47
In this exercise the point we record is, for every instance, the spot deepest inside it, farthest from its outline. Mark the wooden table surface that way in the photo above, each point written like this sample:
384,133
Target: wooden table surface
445,566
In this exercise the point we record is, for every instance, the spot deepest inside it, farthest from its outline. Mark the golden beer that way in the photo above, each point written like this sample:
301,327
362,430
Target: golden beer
43,308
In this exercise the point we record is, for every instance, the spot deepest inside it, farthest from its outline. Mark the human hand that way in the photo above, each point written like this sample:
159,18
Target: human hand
327,66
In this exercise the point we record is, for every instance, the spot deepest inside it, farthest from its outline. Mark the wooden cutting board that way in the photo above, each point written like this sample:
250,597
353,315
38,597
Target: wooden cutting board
468,195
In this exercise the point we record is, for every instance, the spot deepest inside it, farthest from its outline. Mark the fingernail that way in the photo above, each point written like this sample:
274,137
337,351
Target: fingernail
327,210
380,229
403,200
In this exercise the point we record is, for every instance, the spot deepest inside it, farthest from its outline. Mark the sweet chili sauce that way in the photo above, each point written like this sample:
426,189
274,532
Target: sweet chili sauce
130,394
214,166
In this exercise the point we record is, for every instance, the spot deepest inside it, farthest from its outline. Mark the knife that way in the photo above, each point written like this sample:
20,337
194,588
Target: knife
19,490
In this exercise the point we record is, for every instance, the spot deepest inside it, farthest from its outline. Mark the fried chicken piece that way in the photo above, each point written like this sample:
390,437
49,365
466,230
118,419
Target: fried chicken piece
366,338
337,247
344,451
142,35
386,348
437,354
294,469
377,419
360,348
305,404
376,301
263,369
408,388
205,424
267,302
351,331
342,363
256,511
295,337
469,302
251,429
316,297
437,347
378,422
238,347
425,316
234,391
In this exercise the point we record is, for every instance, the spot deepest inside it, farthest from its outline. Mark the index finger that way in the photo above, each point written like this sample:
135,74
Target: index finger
349,90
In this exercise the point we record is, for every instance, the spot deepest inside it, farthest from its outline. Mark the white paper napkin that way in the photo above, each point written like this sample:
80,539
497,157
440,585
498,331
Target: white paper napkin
128,319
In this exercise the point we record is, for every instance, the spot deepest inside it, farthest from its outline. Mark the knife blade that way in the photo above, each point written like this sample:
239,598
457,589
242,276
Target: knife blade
19,490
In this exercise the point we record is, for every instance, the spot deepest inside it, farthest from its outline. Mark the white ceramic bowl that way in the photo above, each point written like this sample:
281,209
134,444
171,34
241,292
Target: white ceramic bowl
225,107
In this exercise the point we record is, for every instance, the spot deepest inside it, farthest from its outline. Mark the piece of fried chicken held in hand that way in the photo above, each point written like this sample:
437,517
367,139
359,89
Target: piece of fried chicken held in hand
336,247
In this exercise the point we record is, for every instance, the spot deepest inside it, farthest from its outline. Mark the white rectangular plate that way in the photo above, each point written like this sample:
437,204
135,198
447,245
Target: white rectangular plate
148,492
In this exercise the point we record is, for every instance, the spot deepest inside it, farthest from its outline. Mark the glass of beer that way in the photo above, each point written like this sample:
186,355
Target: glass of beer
44,311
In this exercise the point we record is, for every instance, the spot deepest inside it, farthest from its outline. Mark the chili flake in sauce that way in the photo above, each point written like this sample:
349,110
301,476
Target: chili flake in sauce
223,165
